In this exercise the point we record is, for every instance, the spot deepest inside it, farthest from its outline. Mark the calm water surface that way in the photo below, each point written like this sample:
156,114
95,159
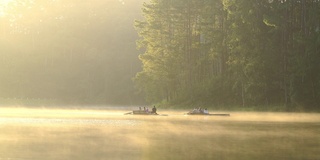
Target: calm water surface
51,134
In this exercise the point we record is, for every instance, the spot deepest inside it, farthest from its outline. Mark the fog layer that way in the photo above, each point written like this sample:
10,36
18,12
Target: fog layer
49,134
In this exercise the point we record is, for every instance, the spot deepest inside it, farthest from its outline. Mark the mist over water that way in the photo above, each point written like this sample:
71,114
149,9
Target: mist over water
50,134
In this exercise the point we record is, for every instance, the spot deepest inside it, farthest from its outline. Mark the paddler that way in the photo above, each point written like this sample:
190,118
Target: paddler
154,110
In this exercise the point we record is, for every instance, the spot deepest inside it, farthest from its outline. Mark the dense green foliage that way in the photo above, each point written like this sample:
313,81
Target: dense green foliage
68,52
230,52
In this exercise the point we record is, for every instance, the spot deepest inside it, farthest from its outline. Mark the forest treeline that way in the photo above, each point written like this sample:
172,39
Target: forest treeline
230,52
58,52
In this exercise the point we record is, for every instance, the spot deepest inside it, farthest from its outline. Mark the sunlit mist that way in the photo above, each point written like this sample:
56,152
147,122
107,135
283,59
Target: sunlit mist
3,6
159,80
57,51
50,134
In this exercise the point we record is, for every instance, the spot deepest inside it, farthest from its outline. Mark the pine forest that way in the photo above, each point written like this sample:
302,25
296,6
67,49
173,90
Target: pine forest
230,52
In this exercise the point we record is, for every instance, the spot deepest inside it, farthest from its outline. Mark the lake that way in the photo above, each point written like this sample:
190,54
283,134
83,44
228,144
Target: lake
100,134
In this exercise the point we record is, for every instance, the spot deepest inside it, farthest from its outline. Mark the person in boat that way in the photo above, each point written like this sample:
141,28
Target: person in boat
154,110
196,110
205,111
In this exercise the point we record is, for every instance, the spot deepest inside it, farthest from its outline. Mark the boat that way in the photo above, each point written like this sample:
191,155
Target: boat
143,112
208,114
205,112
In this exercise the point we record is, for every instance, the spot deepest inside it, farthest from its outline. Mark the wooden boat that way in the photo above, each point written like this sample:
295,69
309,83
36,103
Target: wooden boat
208,114
140,112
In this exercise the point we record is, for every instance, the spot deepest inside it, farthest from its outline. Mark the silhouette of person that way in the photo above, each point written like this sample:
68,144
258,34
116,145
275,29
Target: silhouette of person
154,110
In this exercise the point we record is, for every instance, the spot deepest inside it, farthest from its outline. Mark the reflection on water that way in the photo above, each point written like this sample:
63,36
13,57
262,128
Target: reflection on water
61,121
108,134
